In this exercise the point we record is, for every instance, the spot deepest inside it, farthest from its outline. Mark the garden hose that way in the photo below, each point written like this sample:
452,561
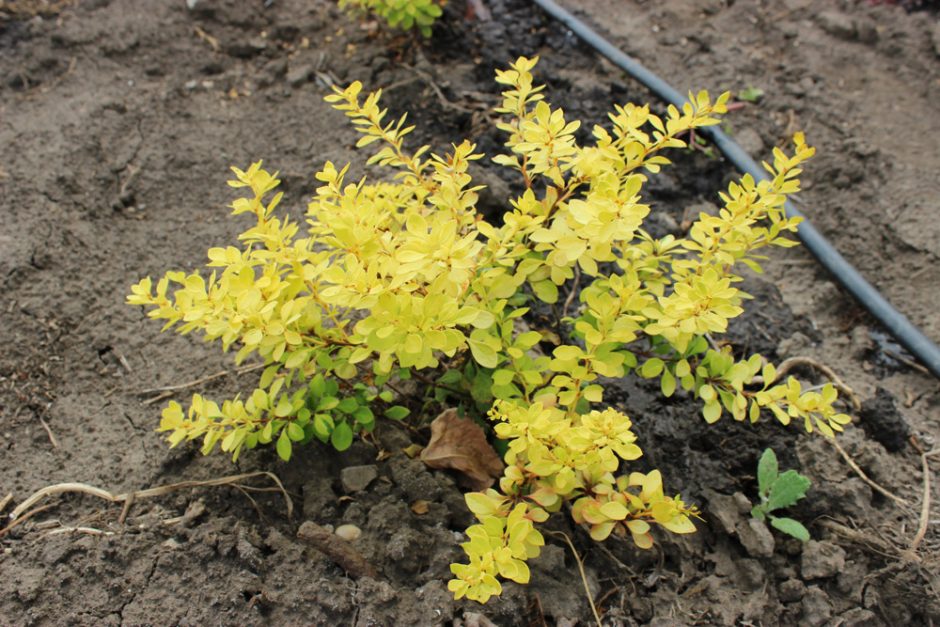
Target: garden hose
918,344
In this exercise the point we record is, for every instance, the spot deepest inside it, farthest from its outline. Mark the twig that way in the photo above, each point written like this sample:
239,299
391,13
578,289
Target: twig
925,507
62,488
584,581
156,399
873,544
338,550
45,425
206,37
429,80
864,477
206,379
5,501
574,290
23,519
88,530
126,509
904,360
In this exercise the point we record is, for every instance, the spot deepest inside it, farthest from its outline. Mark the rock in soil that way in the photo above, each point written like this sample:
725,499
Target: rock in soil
358,478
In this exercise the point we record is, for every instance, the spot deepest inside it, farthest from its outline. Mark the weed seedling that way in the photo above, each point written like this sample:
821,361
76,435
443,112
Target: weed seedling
778,491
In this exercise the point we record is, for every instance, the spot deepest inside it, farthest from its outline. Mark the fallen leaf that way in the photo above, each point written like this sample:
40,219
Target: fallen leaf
412,450
420,507
460,444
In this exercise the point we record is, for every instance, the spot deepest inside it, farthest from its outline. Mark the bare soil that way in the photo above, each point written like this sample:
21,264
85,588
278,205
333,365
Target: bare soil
119,120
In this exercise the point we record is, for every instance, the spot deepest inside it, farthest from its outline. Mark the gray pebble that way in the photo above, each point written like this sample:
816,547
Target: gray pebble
357,478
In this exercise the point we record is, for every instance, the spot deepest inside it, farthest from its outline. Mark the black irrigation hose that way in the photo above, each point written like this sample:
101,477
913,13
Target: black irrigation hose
894,321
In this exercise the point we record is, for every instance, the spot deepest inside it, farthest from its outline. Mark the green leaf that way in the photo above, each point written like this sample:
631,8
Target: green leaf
481,387
283,446
546,291
750,94
767,471
387,396
503,377
397,412
651,368
322,426
789,488
528,339
668,384
342,437
791,528
364,417
317,386
294,431
327,403
483,353
711,412
348,405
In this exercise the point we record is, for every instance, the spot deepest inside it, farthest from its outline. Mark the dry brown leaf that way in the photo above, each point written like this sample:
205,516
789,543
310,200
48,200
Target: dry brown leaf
420,507
460,444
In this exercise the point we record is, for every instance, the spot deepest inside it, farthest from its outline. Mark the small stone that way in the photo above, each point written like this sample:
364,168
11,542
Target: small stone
191,85
275,68
246,49
171,544
789,30
791,591
750,141
744,505
817,608
724,510
299,75
711,7
756,537
350,533
836,24
475,619
357,478
822,559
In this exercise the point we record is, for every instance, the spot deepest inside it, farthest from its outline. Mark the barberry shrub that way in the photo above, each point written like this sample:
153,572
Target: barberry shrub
403,14
392,278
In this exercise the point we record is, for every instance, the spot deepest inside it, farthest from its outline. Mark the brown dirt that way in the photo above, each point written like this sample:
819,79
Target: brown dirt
119,126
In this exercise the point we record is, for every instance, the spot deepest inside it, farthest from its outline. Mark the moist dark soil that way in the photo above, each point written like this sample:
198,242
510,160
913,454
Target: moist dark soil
119,120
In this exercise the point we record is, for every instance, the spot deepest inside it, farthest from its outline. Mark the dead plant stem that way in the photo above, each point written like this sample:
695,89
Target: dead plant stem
584,581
